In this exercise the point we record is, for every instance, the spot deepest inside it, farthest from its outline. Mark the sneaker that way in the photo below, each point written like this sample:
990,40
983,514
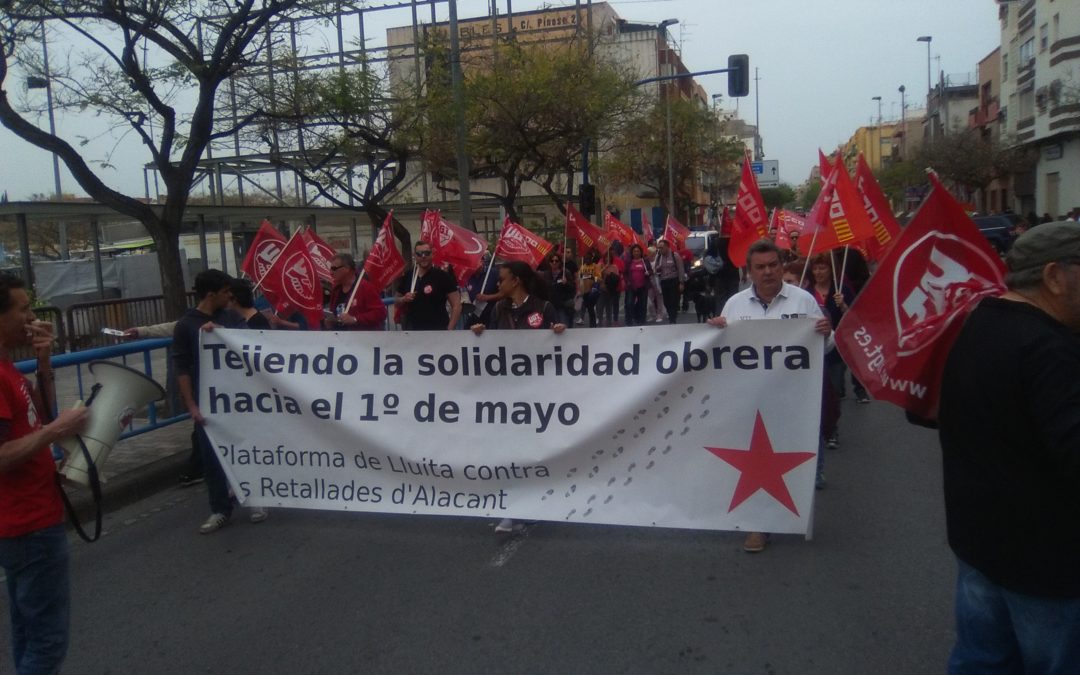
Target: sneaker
215,522
863,399
755,542
505,526
832,442
189,480
258,514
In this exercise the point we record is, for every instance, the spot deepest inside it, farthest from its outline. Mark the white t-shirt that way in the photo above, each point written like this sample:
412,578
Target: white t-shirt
791,302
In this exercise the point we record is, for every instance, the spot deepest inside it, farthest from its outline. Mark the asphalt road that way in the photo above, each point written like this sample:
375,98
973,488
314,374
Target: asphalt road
311,592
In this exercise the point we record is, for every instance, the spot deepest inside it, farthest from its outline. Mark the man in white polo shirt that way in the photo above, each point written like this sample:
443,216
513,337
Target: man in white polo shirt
768,297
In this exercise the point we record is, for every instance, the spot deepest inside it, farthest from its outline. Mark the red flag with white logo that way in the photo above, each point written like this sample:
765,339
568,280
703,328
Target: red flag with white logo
675,233
619,230
292,283
587,235
751,221
838,217
886,227
321,253
897,334
453,245
384,262
265,248
516,242
780,235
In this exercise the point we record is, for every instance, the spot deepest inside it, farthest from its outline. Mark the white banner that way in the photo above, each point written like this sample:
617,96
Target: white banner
668,426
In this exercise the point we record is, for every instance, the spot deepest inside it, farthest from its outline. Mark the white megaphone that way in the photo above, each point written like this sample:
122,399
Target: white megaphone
120,392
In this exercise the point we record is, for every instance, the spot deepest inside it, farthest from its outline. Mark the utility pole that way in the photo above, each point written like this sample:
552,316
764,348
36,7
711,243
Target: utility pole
661,31
759,152
459,118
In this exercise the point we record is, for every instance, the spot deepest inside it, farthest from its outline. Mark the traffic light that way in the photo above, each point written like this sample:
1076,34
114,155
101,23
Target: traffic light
738,76
587,199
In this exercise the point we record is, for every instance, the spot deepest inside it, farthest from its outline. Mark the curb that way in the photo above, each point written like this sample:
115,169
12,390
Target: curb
128,488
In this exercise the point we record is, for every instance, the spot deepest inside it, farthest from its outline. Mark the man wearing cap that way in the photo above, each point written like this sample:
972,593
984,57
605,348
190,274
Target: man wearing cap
1010,436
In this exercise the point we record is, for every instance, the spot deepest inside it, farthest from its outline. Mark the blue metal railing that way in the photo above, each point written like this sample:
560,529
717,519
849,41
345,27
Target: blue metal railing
78,359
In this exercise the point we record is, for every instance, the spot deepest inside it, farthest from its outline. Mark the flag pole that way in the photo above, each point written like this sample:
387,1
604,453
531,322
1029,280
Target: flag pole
813,240
263,277
356,287
843,268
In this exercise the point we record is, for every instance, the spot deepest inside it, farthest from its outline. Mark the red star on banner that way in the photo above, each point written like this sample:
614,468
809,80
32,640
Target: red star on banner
762,469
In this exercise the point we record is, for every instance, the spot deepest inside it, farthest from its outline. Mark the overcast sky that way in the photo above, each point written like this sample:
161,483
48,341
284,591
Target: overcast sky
820,64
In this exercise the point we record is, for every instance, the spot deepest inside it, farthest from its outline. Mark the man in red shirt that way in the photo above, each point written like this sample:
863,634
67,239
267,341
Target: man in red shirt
33,543
366,312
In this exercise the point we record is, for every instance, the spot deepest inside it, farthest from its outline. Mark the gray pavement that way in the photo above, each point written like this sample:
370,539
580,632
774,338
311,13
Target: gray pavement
317,592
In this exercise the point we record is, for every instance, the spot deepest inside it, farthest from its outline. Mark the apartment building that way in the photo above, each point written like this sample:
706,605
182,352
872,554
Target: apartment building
642,48
1040,100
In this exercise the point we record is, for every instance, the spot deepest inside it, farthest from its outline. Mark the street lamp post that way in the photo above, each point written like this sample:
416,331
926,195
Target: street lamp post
926,39
929,117
45,82
661,31
903,124
880,160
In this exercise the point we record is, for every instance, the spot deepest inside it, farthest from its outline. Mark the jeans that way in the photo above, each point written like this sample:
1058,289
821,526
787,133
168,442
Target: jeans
608,307
837,369
217,485
1000,631
36,565
669,288
639,298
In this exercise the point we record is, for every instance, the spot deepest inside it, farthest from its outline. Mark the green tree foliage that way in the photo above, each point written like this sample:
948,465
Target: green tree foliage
638,156
971,162
340,131
778,197
529,110
810,194
152,67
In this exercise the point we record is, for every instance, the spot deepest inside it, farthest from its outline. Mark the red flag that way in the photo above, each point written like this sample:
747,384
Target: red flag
675,233
264,250
587,235
454,245
385,262
751,220
838,217
725,223
292,283
647,235
886,228
518,243
428,224
824,168
618,230
780,235
321,253
897,334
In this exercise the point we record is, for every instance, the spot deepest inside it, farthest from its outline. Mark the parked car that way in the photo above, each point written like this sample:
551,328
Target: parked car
1001,230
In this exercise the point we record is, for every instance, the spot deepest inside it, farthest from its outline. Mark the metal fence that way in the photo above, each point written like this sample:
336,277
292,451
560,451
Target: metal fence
86,319
139,355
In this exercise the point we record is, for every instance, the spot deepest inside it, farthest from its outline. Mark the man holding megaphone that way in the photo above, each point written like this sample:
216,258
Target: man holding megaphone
33,541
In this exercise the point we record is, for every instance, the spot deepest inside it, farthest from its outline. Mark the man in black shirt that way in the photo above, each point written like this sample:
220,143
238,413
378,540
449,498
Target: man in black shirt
426,297
1010,436
213,288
